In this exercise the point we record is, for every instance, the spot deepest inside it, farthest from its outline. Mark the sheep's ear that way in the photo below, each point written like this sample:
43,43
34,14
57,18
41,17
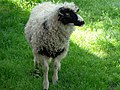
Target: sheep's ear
78,10
61,11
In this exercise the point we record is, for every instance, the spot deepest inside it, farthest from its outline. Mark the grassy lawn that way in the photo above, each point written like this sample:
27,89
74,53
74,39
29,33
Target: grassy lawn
93,61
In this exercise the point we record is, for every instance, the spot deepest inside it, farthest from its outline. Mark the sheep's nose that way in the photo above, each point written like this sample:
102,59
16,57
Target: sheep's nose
82,23
79,23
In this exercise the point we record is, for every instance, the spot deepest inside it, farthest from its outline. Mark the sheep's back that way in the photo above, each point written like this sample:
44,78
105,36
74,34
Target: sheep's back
42,9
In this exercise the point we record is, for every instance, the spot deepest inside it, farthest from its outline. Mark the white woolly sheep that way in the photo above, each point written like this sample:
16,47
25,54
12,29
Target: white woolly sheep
48,31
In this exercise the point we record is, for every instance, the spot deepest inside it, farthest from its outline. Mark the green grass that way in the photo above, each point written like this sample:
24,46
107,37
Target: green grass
93,61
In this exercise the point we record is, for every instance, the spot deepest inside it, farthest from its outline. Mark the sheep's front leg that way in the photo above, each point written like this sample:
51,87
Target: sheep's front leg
57,64
46,69
56,68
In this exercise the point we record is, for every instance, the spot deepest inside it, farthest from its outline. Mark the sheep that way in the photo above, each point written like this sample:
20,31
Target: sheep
48,32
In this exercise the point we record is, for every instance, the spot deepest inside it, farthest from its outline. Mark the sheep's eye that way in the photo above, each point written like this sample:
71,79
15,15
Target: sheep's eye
67,14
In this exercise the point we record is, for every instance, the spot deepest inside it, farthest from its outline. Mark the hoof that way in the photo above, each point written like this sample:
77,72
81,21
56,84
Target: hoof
36,73
55,82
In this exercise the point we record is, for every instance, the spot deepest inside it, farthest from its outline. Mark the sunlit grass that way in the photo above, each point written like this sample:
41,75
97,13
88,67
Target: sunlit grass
88,40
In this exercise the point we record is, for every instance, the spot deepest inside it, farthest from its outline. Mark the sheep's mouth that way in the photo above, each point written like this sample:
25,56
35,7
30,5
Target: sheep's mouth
79,23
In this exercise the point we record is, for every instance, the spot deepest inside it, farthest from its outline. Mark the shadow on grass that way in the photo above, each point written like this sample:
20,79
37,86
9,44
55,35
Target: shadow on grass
80,69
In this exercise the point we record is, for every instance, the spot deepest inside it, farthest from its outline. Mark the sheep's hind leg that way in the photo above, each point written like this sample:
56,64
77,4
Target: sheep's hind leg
46,69
36,64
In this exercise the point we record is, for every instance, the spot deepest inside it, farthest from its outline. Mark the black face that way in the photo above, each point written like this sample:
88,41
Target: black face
67,16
